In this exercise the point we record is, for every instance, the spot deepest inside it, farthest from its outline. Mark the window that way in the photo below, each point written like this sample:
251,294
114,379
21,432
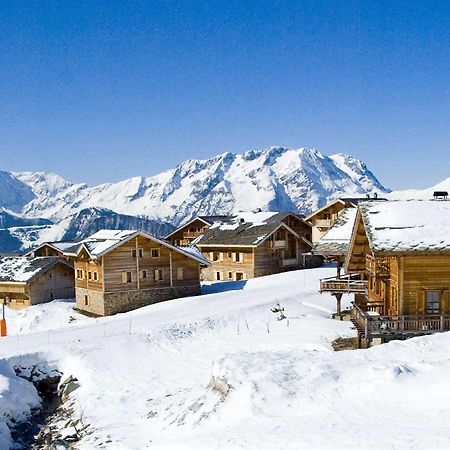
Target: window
239,276
215,256
155,253
239,257
133,253
80,274
218,276
143,274
158,274
86,300
179,273
89,275
49,276
230,275
126,277
433,302
95,276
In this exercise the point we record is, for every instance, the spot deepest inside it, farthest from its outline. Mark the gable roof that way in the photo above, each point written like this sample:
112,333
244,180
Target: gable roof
336,241
407,225
232,221
59,246
20,269
104,241
249,234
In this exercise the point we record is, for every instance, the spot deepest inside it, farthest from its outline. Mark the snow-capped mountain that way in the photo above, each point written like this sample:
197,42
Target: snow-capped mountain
276,178
272,179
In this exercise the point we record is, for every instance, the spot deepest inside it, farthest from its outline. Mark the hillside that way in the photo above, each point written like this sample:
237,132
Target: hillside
150,378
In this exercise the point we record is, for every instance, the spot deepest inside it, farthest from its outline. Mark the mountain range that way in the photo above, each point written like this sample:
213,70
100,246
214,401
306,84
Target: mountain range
40,206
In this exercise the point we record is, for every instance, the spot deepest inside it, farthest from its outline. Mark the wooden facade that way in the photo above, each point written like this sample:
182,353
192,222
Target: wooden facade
399,293
139,271
188,232
283,249
54,282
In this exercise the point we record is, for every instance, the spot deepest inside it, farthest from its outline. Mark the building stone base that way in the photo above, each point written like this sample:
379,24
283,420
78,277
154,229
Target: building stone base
109,303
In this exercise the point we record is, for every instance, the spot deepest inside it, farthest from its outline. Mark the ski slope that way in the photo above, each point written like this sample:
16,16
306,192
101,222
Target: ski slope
146,376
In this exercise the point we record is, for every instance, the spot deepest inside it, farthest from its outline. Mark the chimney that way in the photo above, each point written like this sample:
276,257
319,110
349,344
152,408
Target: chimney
368,196
375,195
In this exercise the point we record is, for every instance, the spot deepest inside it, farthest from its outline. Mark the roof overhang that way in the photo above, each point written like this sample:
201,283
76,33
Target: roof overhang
187,224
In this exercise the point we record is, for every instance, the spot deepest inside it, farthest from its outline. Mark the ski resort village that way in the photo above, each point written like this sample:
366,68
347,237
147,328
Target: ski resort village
314,320
225,225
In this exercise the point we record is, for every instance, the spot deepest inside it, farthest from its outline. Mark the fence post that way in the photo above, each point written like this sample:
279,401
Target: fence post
442,323
267,324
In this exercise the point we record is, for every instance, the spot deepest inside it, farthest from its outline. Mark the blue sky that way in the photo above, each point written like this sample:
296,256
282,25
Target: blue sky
102,91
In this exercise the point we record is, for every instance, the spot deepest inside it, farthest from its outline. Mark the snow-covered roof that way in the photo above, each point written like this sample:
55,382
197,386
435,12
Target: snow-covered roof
248,229
20,269
407,225
336,240
104,241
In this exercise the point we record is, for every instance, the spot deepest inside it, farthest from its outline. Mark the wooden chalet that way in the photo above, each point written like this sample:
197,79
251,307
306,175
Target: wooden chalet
58,248
30,281
186,233
255,244
322,219
398,267
121,270
334,245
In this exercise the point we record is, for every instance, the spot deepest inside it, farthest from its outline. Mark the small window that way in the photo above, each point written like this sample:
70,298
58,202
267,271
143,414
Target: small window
141,253
179,273
155,253
239,257
239,276
80,274
143,274
89,275
230,275
230,255
215,256
86,300
126,277
158,274
95,276
433,302
133,253
49,276
218,276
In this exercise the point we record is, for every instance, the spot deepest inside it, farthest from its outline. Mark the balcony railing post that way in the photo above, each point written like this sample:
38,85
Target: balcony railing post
442,323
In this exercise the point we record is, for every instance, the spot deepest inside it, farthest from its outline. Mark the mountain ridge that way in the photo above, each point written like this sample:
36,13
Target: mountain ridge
274,178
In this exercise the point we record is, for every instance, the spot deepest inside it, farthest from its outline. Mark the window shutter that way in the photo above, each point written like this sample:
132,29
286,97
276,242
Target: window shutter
241,257
124,277
211,256
421,302
221,256
234,257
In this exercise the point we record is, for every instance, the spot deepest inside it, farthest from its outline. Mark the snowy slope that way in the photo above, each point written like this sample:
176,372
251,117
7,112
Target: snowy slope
420,194
286,389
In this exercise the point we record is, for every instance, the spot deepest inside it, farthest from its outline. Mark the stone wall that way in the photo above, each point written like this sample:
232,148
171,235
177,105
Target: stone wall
116,302
95,302
108,303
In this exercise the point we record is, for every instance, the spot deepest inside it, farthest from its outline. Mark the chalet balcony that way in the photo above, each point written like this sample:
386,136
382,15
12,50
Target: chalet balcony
191,234
347,284
371,324
323,223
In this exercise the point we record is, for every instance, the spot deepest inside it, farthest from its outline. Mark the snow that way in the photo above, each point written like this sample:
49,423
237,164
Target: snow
204,373
44,317
17,269
341,231
404,225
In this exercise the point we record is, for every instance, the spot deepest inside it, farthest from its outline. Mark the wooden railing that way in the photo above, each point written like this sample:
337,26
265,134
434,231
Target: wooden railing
323,223
350,283
374,325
